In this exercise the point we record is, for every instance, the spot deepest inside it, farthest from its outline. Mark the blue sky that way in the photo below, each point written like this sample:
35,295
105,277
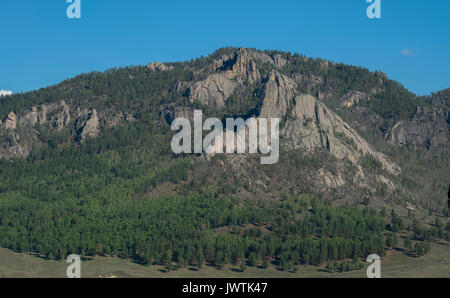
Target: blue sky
40,46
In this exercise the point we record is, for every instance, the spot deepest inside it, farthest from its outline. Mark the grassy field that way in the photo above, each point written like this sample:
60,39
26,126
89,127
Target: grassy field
396,264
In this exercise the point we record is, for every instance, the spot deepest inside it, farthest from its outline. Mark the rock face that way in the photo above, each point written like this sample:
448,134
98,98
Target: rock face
279,61
232,73
352,98
82,123
242,65
30,118
275,60
328,180
11,121
428,131
212,92
277,95
310,124
158,66
57,113
62,118
89,125
11,148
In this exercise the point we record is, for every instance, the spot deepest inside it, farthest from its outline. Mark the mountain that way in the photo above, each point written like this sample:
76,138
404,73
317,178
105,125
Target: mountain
323,106
93,154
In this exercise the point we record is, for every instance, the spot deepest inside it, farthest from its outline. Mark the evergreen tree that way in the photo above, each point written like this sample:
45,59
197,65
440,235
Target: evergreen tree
407,243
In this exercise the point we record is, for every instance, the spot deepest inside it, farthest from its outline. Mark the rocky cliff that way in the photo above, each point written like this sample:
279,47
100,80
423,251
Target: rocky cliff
428,130
307,123
23,132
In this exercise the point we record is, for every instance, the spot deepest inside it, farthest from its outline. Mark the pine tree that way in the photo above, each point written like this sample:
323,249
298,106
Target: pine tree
418,249
253,260
407,243
243,266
